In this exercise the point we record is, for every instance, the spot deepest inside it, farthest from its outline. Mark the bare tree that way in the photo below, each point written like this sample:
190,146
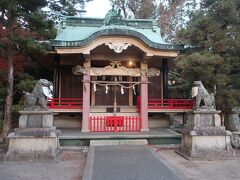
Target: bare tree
139,9
172,15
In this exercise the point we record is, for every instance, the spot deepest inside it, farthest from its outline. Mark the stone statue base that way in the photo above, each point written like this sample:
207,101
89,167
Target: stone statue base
204,137
35,139
232,123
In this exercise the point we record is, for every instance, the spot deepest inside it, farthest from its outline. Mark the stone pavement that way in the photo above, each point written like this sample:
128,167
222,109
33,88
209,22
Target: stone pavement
195,170
69,166
128,163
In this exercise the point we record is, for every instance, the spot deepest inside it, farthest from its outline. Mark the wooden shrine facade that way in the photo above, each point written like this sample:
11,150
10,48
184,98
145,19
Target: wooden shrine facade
112,65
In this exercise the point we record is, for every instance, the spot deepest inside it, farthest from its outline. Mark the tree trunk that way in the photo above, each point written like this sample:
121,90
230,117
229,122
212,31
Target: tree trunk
9,99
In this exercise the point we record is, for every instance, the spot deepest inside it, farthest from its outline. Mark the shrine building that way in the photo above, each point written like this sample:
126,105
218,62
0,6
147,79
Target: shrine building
111,75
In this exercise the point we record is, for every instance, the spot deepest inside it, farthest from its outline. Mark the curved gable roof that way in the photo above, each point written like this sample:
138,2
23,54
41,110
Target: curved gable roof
80,31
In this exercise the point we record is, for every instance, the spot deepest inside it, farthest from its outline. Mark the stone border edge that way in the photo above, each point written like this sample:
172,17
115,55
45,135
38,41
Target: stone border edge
179,174
88,169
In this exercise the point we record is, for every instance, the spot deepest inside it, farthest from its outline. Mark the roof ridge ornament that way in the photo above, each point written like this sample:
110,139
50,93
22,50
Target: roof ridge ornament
154,25
114,17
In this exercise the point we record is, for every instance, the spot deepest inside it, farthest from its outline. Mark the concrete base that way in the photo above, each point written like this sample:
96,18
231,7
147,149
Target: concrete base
204,137
206,147
23,147
32,157
36,119
118,142
35,139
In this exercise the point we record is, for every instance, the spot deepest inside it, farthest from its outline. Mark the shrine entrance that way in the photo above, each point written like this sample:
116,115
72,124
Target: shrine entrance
116,96
114,89
104,94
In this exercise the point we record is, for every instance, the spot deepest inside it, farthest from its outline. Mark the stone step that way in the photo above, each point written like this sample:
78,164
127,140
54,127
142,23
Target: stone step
111,114
103,109
112,142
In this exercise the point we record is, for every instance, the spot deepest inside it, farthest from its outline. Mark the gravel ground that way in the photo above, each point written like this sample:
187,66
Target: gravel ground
69,166
195,170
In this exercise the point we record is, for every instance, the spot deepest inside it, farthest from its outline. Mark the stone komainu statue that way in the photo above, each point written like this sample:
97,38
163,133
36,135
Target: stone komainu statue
200,94
37,99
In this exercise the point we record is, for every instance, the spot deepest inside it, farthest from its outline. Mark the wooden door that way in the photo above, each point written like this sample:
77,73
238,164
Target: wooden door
71,85
154,87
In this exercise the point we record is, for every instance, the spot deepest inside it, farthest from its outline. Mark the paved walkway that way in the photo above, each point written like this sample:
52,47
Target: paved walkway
128,163
69,166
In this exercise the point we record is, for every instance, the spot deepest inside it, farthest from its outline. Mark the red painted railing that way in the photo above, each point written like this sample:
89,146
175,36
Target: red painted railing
65,103
177,104
115,123
170,104
76,103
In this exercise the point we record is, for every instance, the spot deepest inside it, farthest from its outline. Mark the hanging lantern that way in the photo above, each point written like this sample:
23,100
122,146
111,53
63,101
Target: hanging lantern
134,90
106,89
94,87
122,91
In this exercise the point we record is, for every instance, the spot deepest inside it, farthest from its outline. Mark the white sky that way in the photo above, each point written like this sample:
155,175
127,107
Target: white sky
97,8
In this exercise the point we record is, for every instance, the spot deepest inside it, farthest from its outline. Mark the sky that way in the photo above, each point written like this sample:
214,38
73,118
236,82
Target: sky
97,8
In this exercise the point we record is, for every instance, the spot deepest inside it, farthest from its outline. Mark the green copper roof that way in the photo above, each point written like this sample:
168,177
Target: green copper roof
79,31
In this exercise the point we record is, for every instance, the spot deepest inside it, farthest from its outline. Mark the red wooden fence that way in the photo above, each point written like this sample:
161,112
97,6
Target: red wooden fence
115,123
167,103
76,103
65,103
170,103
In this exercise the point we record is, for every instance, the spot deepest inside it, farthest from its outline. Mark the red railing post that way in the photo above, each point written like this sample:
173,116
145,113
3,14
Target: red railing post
170,101
105,124
132,117
126,123
51,103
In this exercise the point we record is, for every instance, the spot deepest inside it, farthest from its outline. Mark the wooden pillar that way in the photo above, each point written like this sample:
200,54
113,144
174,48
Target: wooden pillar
93,99
130,93
144,99
86,97
56,75
165,70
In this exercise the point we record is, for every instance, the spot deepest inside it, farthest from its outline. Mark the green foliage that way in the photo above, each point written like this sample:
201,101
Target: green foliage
25,83
207,67
213,36
59,8
68,7
26,26
3,93
1,124
16,108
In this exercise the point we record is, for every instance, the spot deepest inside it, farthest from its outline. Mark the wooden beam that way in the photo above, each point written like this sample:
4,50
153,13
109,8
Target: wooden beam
116,39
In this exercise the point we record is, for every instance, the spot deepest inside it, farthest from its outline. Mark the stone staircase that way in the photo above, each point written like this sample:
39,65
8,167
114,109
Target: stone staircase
111,142
108,111
122,109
